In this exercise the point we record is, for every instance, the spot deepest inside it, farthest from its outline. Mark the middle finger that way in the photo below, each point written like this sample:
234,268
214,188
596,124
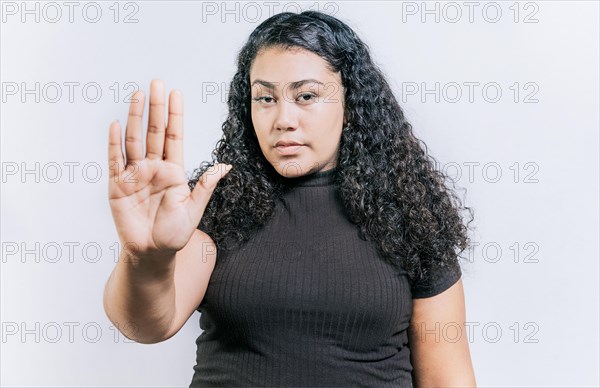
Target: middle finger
155,138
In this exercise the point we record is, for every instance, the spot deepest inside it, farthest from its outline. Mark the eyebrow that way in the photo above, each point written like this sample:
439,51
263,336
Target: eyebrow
293,85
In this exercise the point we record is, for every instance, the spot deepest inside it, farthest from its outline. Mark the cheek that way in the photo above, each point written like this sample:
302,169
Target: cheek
327,124
325,142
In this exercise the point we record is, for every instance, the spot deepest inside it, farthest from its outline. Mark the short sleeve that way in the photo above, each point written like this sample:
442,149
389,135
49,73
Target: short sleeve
437,280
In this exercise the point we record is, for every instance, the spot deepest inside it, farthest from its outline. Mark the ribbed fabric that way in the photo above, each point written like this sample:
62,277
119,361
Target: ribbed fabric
306,302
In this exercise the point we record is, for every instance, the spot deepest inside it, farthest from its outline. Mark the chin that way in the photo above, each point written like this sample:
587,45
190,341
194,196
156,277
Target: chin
291,169
291,172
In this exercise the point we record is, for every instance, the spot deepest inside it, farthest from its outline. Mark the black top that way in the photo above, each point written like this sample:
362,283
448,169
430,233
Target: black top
306,302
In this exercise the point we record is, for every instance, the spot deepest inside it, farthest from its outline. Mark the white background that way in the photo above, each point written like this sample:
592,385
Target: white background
546,311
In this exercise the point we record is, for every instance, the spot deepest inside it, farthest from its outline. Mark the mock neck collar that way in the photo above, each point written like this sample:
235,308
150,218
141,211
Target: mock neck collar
319,178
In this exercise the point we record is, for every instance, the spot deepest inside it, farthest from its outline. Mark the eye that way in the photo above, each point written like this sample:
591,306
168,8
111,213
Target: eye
306,97
263,99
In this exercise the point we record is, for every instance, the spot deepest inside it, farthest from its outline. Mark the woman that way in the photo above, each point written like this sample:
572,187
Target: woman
326,256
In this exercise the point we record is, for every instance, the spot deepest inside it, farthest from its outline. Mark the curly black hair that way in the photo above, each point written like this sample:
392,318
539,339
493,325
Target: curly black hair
388,182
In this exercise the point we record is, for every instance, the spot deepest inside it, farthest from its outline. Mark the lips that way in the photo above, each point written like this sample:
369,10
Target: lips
288,147
286,143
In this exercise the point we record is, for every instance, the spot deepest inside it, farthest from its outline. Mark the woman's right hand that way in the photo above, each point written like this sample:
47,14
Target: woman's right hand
152,206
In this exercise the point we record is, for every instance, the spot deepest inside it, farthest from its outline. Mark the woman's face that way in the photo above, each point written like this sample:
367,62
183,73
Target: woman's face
295,98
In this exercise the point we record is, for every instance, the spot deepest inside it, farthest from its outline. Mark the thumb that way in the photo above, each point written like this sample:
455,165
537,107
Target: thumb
207,183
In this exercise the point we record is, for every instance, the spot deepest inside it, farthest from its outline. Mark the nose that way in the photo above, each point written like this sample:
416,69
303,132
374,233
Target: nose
287,115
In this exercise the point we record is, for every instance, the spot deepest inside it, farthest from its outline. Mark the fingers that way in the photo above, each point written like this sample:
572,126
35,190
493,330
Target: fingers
156,121
116,162
155,139
174,138
133,132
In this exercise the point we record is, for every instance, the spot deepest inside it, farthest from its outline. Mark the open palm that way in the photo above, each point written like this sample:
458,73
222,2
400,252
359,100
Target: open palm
150,200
